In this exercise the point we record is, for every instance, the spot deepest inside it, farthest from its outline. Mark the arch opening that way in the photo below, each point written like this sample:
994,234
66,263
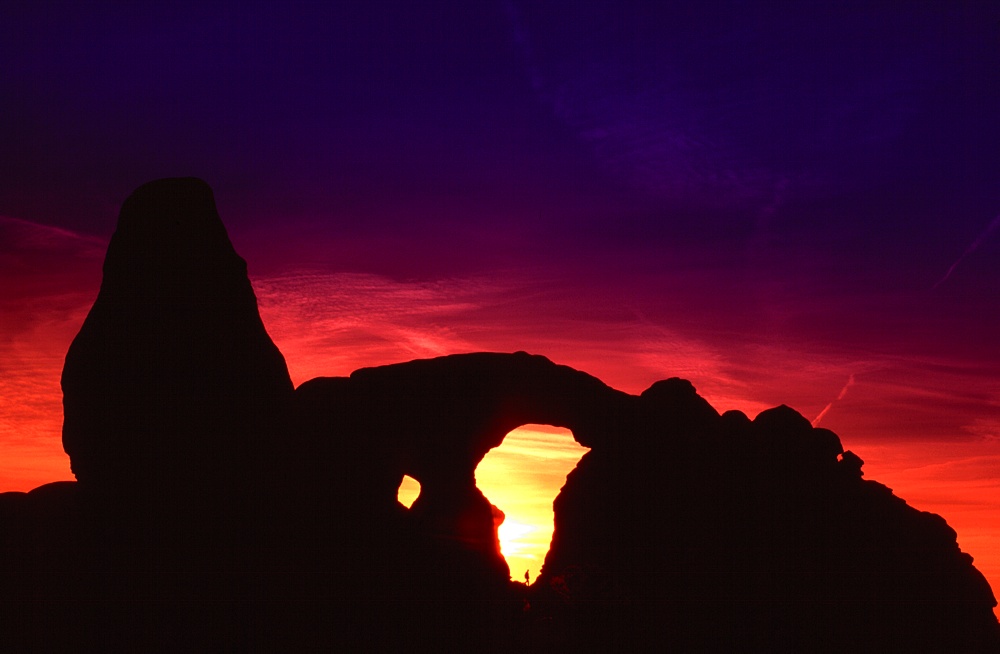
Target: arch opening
522,477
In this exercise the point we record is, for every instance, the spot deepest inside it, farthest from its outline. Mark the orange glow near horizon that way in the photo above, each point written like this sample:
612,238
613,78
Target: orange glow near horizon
522,478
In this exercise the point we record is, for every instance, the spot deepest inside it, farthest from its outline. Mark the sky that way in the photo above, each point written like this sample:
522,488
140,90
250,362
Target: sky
785,203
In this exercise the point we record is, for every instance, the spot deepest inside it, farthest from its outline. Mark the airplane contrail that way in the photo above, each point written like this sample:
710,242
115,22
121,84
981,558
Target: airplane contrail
969,250
840,396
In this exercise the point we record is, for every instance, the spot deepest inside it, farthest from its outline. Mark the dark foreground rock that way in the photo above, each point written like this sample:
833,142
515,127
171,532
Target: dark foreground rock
216,509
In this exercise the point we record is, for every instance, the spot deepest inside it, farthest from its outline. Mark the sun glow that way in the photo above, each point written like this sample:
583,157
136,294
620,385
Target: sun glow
522,477
515,539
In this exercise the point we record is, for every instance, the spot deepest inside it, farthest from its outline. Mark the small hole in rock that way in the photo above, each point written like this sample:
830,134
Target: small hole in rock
409,491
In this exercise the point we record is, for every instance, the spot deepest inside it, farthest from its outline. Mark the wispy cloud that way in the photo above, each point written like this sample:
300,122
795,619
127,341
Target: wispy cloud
50,278
334,323
27,235
330,324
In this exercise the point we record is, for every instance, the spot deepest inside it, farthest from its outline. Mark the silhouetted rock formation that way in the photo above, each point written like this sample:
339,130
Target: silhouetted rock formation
681,529
712,533
174,394
435,420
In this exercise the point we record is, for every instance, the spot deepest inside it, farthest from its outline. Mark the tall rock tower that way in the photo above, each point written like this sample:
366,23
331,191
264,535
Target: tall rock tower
174,395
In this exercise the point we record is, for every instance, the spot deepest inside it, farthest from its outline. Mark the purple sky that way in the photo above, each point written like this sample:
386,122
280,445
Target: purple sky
802,157
770,199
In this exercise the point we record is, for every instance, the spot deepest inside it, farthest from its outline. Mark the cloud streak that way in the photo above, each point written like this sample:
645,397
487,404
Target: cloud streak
840,396
969,250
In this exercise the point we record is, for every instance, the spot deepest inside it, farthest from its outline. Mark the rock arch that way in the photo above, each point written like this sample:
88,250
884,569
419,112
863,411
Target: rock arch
435,420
